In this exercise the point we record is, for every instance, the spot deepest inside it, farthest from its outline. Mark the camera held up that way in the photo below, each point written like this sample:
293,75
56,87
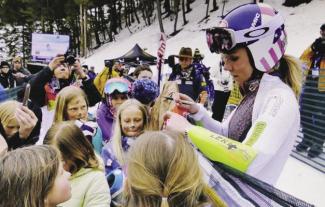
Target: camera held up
69,58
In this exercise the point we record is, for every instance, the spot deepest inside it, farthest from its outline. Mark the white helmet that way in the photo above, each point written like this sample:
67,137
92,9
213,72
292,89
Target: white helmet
258,27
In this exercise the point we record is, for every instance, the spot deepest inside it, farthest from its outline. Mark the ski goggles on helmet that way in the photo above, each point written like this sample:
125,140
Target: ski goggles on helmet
222,39
121,87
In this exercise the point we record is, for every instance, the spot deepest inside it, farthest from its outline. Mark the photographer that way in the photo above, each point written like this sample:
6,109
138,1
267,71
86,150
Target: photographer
58,74
112,69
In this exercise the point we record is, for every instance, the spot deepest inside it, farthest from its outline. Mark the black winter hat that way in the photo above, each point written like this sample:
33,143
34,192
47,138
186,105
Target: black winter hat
322,27
197,54
4,63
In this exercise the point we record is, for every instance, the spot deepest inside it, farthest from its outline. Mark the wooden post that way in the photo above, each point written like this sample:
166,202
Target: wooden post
81,32
85,31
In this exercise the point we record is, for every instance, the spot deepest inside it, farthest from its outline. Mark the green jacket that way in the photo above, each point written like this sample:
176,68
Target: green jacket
88,188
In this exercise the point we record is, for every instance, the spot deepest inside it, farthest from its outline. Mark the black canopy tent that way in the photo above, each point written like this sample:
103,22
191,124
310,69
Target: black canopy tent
134,57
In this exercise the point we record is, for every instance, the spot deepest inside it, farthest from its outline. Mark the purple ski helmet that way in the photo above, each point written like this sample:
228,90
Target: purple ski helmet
259,27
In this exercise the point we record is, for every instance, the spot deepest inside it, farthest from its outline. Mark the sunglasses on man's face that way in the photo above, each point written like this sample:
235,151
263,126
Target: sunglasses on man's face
184,59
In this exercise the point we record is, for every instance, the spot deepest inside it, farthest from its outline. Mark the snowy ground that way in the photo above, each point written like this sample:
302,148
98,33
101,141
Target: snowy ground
302,181
302,25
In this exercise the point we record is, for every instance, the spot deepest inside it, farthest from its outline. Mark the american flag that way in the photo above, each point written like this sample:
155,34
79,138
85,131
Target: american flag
161,49
160,54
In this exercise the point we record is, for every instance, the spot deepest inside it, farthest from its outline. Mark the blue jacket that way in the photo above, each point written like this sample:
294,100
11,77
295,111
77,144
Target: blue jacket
110,161
191,85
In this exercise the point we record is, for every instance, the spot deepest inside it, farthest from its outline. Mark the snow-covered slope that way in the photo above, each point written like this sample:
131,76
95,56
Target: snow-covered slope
302,25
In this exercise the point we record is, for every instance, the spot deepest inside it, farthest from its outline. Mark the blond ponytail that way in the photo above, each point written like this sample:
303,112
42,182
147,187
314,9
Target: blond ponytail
164,202
293,75
163,170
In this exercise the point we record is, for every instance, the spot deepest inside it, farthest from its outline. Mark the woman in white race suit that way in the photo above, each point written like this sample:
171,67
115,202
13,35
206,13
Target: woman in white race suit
259,135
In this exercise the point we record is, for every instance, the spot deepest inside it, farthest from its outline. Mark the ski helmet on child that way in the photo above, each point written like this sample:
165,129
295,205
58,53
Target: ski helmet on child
259,27
120,85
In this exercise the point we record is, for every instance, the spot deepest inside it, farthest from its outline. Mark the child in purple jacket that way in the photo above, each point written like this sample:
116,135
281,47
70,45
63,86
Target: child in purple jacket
116,92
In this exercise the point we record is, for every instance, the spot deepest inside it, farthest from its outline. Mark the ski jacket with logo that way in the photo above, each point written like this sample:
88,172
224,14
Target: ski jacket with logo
269,141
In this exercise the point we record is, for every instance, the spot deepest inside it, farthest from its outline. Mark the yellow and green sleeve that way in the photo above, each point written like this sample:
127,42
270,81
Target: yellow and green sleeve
222,149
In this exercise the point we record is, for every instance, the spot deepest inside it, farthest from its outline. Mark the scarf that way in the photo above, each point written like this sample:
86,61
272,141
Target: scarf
241,121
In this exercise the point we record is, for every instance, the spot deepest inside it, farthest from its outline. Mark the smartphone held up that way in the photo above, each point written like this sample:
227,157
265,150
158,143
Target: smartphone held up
26,94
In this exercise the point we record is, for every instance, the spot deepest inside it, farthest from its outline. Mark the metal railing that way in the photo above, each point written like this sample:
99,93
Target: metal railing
309,147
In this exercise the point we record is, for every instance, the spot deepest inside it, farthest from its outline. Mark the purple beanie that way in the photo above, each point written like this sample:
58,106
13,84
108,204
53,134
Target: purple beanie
145,91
